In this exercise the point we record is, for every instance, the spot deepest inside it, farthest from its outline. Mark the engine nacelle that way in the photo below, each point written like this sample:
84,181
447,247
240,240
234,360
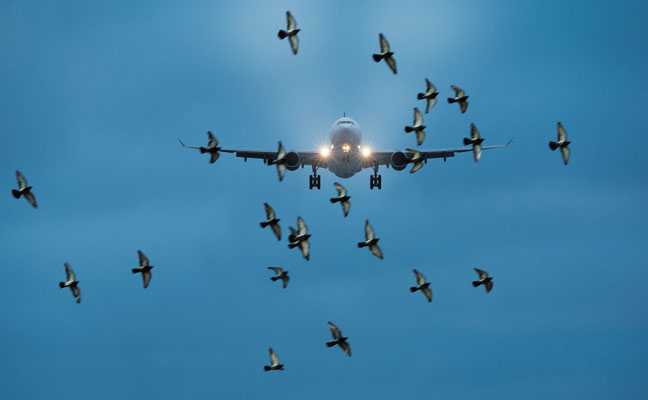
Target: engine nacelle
398,160
292,161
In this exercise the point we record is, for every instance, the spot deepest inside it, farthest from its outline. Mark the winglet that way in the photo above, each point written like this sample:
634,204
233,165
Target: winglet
183,145
509,142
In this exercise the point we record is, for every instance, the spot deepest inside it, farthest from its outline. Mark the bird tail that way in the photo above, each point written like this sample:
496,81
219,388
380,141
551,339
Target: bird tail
476,283
451,100
61,285
203,150
282,34
377,57
467,141
330,344
263,224
552,146
15,193
362,244
413,289
274,278
334,200
135,270
420,96
266,368
409,129
292,245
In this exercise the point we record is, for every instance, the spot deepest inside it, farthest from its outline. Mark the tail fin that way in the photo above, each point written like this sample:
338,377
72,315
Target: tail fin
451,100
377,57
466,141
282,34
330,344
408,129
334,200
552,146
420,96
263,224
135,270
362,244
15,193
413,289
476,283
61,285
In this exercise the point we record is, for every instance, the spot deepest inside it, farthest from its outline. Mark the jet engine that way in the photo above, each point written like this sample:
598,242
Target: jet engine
292,161
398,160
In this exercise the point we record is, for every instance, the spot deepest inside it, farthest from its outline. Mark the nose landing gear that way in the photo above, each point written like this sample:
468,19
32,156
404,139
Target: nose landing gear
375,180
314,180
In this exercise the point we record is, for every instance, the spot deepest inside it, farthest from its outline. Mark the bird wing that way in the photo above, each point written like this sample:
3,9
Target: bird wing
464,106
285,278
375,250
428,293
69,273
294,43
274,360
340,189
346,205
392,63
304,245
430,87
420,278
474,132
430,103
565,153
22,182
415,154
489,286
420,137
562,134
418,118
417,165
146,277
281,152
31,199
143,261
270,214
276,229
213,142
301,226
477,148
276,270
290,20
76,292
346,347
384,44
281,171
335,331
458,92
482,274
293,233
369,232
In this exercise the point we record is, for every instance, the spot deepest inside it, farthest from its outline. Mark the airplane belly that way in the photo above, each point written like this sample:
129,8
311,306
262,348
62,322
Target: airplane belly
345,168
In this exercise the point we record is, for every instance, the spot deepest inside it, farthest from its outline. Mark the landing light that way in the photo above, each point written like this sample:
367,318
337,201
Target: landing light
366,152
324,152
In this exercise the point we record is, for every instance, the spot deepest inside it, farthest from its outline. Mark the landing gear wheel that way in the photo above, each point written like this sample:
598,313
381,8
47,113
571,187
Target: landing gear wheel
375,181
315,181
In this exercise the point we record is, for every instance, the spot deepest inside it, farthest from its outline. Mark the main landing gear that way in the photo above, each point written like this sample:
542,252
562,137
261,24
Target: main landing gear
375,180
314,180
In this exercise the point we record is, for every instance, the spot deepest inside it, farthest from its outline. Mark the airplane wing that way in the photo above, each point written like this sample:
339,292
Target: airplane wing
384,157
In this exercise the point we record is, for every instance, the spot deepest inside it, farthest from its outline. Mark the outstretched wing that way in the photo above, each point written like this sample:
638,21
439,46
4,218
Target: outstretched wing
146,278
290,20
428,293
384,44
430,87
270,214
340,189
274,360
346,347
420,137
430,103
22,182
562,134
418,118
391,62
213,142
294,43
276,270
346,205
420,279
76,292
464,106
458,92
474,132
477,148
276,229
31,198
489,286
285,279
304,245
69,273
482,274
143,260
301,226
369,232
375,250
335,331
565,154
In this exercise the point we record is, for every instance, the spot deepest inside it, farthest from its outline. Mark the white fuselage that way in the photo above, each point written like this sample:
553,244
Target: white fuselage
345,157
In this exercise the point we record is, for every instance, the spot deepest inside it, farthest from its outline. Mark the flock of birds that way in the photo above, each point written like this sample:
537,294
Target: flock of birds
299,237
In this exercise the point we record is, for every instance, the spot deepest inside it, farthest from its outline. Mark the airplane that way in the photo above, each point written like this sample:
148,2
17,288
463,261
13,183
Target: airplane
344,157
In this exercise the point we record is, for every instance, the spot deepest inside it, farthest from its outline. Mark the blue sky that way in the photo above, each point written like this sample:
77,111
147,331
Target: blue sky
95,94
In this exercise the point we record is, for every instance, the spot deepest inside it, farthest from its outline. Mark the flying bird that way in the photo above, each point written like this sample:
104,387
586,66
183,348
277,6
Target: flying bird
72,283
371,241
338,339
24,190
280,274
385,54
280,161
418,127
430,95
342,198
460,97
212,147
475,141
274,362
272,220
290,32
422,285
299,237
484,279
562,142
417,159
144,268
